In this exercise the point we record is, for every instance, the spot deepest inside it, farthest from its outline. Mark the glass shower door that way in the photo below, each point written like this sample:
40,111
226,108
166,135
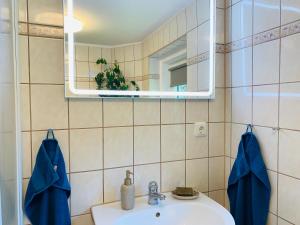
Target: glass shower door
10,188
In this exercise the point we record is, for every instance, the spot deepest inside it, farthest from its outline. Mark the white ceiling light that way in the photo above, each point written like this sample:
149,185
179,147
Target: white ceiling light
72,25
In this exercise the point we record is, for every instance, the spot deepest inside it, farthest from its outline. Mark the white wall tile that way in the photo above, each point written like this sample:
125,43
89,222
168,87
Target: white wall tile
227,147
197,174
49,108
219,70
181,22
272,219
146,112
118,147
22,10
266,63
283,222
138,52
191,15
216,139
203,38
86,150
46,60
138,68
289,198
242,20
228,25
242,97
143,175
25,107
242,67
146,144
26,154
290,52
173,30
216,173
129,53
172,111
83,219
268,141
196,147
202,11
118,112
113,179
192,43
82,53
220,3
274,192
85,113
107,54
196,111
166,31
95,53
266,15
172,175
129,70
218,196
220,26
228,69
289,12
45,12
23,59
24,188
203,81
227,171
87,191
192,77
289,106
120,54
82,69
237,131
289,154
263,96
216,106
228,104
172,148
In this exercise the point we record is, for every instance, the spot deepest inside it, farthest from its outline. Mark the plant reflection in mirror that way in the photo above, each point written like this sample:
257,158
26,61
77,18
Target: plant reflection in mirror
112,78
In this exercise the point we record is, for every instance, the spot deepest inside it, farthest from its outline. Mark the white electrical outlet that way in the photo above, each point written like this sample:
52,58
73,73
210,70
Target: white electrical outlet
200,129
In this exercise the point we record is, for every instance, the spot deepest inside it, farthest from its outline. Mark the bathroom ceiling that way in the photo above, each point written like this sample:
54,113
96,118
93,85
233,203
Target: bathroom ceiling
117,22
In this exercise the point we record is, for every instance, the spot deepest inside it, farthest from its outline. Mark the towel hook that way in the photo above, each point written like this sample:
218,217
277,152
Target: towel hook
49,133
249,126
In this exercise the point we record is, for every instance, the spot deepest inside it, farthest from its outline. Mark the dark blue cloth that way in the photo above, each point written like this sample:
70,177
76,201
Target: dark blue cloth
248,186
46,200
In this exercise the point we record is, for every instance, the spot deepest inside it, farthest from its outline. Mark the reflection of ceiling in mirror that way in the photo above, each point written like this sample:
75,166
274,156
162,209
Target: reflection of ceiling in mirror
117,22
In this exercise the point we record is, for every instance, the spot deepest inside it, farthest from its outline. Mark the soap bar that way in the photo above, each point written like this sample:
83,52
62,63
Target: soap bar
184,191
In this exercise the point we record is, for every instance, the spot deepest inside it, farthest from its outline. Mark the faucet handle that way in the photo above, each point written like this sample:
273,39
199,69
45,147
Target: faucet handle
153,187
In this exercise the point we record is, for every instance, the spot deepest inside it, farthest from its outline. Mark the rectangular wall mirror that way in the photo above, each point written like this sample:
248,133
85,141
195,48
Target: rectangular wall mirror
140,48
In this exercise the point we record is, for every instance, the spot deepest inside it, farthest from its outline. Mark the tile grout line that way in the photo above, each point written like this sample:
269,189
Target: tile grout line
160,144
278,115
133,140
185,141
103,153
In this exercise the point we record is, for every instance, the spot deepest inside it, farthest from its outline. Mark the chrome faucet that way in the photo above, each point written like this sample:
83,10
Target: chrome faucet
154,197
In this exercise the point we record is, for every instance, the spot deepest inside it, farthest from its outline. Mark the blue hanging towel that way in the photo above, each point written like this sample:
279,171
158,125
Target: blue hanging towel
46,200
248,186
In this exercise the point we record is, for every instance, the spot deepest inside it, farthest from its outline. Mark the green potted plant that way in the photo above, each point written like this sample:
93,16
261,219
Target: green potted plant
112,78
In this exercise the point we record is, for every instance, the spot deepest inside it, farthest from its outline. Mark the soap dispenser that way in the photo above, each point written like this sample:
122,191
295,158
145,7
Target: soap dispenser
127,193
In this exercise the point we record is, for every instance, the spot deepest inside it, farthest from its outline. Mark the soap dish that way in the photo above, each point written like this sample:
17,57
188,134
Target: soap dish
191,197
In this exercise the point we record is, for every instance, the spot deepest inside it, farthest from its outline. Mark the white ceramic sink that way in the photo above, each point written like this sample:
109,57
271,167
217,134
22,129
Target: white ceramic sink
203,211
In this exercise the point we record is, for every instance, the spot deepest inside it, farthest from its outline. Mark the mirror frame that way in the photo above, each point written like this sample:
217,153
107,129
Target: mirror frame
86,93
